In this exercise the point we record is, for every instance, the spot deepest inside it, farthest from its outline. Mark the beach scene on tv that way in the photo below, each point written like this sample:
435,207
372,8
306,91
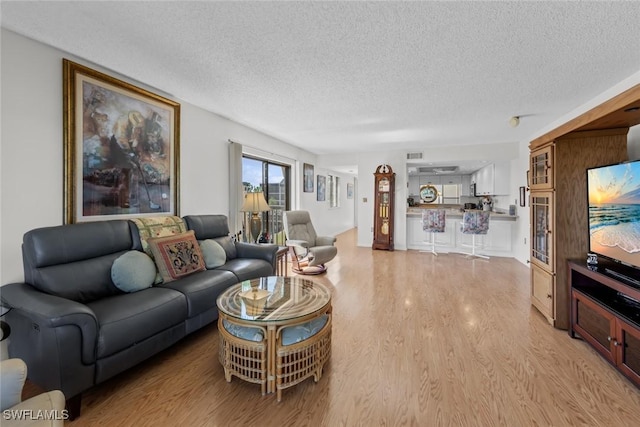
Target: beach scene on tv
614,211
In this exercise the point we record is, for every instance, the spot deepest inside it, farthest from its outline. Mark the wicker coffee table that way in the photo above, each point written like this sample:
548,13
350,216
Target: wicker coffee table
275,331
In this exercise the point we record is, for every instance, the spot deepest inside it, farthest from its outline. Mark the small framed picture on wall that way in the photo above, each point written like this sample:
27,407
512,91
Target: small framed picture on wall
322,186
307,178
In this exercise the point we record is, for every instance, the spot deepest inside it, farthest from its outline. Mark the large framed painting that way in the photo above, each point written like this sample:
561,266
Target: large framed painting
307,177
322,188
121,148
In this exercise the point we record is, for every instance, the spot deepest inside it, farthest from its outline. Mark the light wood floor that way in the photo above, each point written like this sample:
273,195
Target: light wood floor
418,340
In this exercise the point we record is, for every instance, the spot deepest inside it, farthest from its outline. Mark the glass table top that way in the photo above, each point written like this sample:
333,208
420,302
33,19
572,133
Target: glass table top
273,299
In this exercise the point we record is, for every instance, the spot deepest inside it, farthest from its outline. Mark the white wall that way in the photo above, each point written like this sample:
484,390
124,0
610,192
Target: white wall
520,231
31,172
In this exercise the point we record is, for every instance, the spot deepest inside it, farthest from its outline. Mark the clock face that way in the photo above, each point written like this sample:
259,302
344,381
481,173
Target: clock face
428,193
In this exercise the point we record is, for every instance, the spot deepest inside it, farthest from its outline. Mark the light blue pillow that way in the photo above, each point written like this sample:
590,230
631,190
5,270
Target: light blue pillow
133,271
298,333
244,332
214,255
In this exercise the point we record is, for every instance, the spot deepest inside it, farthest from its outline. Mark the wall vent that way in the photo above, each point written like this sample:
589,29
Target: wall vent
414,156
438,169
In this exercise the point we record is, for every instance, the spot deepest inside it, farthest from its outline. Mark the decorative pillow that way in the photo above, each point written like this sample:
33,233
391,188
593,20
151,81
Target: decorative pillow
133,271
158,226
214,254
298,333
243,332
177,256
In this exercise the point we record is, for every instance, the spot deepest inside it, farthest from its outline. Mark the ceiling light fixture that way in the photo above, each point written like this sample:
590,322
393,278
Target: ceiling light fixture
514,121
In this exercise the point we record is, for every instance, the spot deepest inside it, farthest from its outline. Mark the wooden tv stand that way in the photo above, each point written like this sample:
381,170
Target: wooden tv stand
605,312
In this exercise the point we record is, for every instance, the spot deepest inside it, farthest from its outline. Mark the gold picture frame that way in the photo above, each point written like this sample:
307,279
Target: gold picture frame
121,148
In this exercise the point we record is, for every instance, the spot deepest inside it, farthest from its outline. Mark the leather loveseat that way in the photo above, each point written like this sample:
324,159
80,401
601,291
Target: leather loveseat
74,328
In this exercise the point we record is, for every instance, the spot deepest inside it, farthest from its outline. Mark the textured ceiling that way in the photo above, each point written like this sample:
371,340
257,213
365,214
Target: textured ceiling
336,77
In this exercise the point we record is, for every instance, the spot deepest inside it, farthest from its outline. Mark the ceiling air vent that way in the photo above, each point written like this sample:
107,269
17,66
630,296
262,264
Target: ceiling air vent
414,156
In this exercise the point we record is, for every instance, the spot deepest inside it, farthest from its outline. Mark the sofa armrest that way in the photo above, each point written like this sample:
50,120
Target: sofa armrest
325,240
300,243
251,250
50,312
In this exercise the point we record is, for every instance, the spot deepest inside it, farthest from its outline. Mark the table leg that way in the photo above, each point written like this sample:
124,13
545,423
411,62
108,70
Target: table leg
271,359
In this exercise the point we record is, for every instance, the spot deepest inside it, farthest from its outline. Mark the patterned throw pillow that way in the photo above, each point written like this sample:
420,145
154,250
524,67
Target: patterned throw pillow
158,226
177,256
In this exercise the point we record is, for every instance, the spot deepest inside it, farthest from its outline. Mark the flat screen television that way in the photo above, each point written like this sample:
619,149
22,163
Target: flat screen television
614,213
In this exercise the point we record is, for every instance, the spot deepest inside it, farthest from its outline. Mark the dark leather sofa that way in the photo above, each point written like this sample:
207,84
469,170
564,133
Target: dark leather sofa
74,328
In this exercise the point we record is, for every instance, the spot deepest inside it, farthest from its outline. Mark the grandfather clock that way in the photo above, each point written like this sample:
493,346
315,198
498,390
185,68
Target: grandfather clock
383,208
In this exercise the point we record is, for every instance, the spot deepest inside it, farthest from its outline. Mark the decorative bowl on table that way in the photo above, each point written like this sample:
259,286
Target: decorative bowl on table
254,301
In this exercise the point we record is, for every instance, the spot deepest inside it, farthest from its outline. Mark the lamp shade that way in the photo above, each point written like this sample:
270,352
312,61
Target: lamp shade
255,202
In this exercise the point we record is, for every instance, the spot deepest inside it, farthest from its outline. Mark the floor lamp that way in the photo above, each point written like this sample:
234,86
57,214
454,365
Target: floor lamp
255,203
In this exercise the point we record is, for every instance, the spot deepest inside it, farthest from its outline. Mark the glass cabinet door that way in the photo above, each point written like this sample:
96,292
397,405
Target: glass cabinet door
541,169
541,228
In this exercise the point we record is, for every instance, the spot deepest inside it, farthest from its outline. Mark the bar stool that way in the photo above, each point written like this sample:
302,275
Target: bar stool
433,221
475,223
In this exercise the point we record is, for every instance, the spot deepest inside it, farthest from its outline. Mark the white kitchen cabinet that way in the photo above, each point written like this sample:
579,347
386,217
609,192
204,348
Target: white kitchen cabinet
493,179
498,237
419,239
485,180
502,178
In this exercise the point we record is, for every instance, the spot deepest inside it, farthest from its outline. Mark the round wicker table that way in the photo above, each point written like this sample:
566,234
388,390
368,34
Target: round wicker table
252,318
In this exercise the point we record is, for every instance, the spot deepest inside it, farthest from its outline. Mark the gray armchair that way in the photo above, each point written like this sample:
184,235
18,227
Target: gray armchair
309,251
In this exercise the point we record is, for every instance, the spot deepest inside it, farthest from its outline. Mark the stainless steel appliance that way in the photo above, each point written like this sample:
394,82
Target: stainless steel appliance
473,190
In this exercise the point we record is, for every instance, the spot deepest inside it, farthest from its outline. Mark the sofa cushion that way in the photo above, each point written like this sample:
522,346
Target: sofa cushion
214,254
244,332
126,319
202,289
298,333
177,256
248,268
133,271
74,261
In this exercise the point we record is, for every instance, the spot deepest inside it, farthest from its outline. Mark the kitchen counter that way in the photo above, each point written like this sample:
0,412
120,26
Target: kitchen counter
497,241
455,213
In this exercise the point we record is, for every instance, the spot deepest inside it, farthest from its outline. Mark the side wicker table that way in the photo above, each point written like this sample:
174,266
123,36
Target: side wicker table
275,331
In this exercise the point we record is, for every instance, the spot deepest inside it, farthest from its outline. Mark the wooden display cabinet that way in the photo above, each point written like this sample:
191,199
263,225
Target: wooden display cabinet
383,217
559,208
541,168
